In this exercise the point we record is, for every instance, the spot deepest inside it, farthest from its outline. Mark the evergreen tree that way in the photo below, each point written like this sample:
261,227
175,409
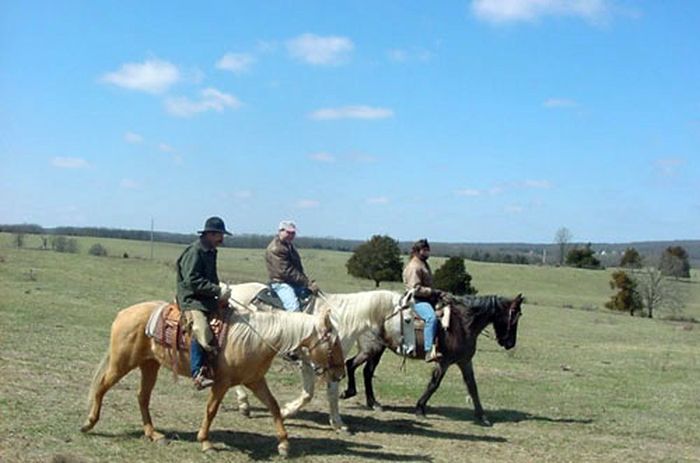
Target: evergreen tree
453,277
378,259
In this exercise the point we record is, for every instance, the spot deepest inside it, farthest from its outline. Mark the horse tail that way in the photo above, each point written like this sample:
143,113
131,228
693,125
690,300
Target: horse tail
97,378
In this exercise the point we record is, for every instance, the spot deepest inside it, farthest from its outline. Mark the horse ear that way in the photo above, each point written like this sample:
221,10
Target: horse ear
519,298
326,325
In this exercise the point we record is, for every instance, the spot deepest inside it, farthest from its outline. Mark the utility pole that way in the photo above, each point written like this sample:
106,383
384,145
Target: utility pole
151,238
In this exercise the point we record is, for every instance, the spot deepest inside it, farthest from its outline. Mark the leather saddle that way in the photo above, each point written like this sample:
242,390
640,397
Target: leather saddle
267,298
166,326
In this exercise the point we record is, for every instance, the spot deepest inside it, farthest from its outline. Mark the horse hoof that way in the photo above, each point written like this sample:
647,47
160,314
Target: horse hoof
283,450
161,440
483,421
343,431
420,414
377,407
207,447
347,394
86,427
245,412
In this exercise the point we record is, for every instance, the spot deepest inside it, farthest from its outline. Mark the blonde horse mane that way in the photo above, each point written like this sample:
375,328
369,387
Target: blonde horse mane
353,312
283,331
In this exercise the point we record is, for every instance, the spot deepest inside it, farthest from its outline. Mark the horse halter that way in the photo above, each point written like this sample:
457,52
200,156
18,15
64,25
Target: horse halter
328,338
513,315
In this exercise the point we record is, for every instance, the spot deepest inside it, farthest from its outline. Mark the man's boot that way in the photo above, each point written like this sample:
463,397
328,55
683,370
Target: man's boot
198,367
433,355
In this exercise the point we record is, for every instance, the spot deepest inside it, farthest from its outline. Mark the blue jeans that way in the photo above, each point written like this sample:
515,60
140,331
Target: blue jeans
290,295
426,312
198,357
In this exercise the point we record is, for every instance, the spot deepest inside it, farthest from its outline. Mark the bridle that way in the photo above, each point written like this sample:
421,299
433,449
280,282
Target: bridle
513,316
326,338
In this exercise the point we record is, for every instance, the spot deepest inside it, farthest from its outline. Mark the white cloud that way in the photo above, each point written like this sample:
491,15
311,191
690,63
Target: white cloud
243,194
151,76
514,209
307,203
69,163
540,184
317,50
133,138
504,11
164,147
322,157
559,103
399,55
211,100
668,167
352,112
128,184
468,192
235,62
378,200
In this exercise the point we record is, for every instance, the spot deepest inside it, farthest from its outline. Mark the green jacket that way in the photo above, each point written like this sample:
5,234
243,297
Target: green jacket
197,280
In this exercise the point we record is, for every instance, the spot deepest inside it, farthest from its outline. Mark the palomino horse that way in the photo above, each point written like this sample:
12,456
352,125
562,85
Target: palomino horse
252,342
351,315
468,317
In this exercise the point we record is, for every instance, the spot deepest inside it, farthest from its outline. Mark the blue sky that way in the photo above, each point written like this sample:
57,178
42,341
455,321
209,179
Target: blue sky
483,120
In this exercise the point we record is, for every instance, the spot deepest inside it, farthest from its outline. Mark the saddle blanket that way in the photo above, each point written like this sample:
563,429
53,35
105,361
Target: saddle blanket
165,326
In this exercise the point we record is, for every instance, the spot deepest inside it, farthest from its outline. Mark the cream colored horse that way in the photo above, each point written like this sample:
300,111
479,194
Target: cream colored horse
252,342
352,315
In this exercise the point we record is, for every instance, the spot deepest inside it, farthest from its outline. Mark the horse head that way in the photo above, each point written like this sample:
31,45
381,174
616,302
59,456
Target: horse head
324,351
505,321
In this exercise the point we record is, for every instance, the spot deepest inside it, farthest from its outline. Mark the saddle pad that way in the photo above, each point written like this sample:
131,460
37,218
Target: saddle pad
269,297
165,328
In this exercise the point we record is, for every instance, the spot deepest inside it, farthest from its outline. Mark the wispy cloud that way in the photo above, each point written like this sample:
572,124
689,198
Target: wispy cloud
668,167
69,163
318,50
559,103
539,184
133,138
151,76
128,184
322,157
164,147
352,112
506,11
243,194
211,99
504,187
514,209
237,63
400,55
468,192
378,200
307,203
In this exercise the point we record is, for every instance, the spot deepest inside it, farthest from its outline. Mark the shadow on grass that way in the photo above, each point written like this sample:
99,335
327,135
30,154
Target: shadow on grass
264,447
383,424
495,416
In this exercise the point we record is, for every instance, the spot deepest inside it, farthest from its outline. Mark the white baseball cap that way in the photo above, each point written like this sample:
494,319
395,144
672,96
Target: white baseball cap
287,225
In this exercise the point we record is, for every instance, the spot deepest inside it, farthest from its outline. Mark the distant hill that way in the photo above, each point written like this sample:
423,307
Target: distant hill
519,253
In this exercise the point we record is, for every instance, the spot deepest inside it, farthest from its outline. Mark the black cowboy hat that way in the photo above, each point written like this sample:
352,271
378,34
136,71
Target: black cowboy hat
214,224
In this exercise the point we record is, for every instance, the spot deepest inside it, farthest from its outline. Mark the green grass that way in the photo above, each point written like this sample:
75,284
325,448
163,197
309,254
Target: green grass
582,385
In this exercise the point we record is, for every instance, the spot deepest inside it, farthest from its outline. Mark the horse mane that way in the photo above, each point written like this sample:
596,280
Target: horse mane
472,307
285,331
351,312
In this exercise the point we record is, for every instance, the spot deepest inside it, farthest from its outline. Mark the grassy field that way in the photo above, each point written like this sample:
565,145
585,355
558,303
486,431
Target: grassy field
583,384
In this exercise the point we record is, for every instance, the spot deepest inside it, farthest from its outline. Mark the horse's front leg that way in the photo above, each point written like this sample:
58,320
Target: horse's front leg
242,399
262,392
368,373
435,379
307,393
470,381
216,395
351,365
334,410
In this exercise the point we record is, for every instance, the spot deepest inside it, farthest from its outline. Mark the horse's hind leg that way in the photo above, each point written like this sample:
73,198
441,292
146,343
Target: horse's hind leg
263,393
307,393
368,373
242,398
436,378
470,381
108,373
149,375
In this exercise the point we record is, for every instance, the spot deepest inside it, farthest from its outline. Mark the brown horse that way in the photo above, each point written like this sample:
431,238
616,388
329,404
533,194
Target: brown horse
469,316
252,342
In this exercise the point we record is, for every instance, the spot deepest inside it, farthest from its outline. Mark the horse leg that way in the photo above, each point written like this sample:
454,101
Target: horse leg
216,395
335,420
351,365
307,393
242,398
436,378
368,373
470,381
149,375
108,373
262,392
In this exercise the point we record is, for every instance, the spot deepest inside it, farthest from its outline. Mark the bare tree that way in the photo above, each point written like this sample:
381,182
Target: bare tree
18,239
562,238
657,292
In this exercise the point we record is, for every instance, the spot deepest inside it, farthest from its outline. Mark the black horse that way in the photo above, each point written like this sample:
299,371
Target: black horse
468,317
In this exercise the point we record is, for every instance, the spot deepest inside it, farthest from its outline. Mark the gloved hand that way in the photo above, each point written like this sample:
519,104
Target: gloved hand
313,287
225,291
